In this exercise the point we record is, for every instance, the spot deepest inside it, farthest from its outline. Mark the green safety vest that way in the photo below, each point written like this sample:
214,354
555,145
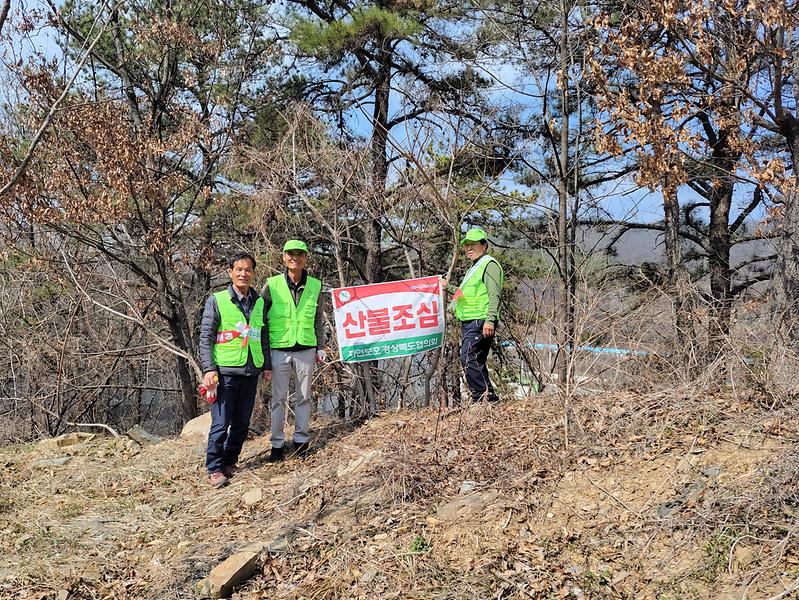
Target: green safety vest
234,337
471,300
289,323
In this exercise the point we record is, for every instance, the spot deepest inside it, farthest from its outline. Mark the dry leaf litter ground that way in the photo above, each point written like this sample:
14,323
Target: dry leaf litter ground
656,496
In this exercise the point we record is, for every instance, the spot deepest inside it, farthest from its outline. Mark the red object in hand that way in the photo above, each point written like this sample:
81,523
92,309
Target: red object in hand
210,394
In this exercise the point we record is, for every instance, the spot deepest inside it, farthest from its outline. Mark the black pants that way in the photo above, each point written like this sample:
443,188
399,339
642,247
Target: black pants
230,420
474,353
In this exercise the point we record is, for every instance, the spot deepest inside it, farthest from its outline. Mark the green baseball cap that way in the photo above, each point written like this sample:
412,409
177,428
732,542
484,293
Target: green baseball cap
295,245
475,234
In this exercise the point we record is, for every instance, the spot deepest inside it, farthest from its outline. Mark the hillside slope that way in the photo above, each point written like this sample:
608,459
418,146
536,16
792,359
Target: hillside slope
656,496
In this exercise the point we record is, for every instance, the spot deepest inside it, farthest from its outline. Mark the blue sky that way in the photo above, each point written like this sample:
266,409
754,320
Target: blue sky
510,84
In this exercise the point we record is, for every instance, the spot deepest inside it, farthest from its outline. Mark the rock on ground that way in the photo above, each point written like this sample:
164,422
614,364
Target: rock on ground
65,440
143,437
231,572
197,429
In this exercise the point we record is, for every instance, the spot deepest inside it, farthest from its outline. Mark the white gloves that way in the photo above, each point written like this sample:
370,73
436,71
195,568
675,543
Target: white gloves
321,356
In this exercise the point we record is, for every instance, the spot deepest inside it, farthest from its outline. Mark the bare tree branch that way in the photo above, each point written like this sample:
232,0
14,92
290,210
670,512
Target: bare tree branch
135,318
53,110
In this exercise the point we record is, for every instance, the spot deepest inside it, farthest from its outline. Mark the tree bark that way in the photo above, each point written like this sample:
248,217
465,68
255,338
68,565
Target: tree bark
678,278
188,384
378,149
723,162
374,231
719,263
174,311
4,8
565,305
788,257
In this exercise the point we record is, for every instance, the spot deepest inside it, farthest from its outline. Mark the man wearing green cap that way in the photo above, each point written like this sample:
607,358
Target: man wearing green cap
296,339
476,304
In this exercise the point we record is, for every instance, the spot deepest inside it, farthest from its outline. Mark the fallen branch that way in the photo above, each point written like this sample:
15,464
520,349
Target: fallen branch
109,429
787,592
612,497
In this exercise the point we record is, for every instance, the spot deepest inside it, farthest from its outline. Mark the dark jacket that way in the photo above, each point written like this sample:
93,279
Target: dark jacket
210,325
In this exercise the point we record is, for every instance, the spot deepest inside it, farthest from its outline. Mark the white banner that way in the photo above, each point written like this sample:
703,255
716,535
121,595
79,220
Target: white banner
386,320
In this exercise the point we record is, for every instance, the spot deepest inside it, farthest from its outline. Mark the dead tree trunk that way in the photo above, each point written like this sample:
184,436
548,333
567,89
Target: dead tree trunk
678,279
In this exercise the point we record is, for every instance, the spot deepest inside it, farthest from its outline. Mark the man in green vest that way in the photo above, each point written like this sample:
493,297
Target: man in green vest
233,352
296,339
476,304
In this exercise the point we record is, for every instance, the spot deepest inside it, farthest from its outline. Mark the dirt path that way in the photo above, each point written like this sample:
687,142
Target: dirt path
655,497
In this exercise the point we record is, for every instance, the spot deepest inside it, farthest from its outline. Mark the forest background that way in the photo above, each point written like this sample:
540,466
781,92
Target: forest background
142,143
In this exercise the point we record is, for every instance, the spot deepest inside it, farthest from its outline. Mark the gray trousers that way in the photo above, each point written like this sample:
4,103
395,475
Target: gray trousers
283,363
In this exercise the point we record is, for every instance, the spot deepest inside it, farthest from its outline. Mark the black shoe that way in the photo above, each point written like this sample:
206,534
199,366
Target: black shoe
302,450
275,455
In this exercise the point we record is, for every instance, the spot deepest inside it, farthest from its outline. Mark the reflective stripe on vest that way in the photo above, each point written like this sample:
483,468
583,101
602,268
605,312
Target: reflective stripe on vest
289,323
471,299
234,337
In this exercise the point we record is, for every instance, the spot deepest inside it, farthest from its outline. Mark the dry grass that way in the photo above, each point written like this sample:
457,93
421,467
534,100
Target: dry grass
679,495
